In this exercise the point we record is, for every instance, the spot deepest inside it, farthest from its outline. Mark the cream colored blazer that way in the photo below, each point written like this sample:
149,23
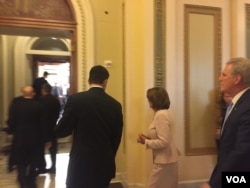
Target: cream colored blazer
161,138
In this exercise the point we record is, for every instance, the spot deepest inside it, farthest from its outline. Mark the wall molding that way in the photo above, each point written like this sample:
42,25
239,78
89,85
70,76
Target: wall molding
160,43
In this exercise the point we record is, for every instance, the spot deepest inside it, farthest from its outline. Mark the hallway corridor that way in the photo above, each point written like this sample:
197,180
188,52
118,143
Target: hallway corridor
8,180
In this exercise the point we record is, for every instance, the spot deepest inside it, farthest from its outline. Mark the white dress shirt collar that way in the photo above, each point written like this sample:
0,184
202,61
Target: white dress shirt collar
238,95
95,85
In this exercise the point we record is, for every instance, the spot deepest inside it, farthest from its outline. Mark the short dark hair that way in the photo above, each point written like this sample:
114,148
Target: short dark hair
45,73
98,74
46,87
159,98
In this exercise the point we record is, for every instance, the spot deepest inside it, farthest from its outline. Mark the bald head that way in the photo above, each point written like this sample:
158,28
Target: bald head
28,92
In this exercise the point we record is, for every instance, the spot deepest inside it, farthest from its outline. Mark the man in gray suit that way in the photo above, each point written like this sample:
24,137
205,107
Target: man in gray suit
96,121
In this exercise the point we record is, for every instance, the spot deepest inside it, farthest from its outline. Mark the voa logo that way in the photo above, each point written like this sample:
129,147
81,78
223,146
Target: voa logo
236,179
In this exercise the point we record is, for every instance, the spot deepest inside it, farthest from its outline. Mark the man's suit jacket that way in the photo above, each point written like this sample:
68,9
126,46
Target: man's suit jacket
234,146
96,121
52,109
37,84
26,121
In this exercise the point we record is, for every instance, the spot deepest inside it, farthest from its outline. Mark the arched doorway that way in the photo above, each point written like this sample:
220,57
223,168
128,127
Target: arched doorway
27,25
83,47
30,18
58,64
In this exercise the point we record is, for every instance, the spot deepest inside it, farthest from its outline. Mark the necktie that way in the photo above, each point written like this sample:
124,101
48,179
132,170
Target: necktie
229,108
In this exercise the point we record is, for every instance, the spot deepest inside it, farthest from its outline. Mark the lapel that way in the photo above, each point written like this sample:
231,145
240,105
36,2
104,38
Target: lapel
229,119
234,113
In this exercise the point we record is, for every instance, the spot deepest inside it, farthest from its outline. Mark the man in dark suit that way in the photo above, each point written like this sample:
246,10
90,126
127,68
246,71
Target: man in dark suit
52,108
38,82
234,144
11,160
26,121
96,121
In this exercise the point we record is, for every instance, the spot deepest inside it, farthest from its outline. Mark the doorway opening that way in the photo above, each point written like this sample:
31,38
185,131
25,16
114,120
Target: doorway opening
57,65
59,79
58,72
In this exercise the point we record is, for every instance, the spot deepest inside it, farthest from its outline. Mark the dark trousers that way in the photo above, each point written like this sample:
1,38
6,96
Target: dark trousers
26,166
53,152
12,159
26,175
41,159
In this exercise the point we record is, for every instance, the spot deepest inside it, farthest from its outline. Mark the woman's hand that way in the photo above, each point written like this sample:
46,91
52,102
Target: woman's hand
141,138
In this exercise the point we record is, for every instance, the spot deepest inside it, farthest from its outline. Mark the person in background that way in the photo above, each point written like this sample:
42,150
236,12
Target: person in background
95,119
223,104
27,123
52,107
57,91
65,92
160,139
38,82
11,159
234,144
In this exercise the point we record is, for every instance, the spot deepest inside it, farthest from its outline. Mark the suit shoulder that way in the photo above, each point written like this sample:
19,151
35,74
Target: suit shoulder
164,113
116,102
245,98
76,96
